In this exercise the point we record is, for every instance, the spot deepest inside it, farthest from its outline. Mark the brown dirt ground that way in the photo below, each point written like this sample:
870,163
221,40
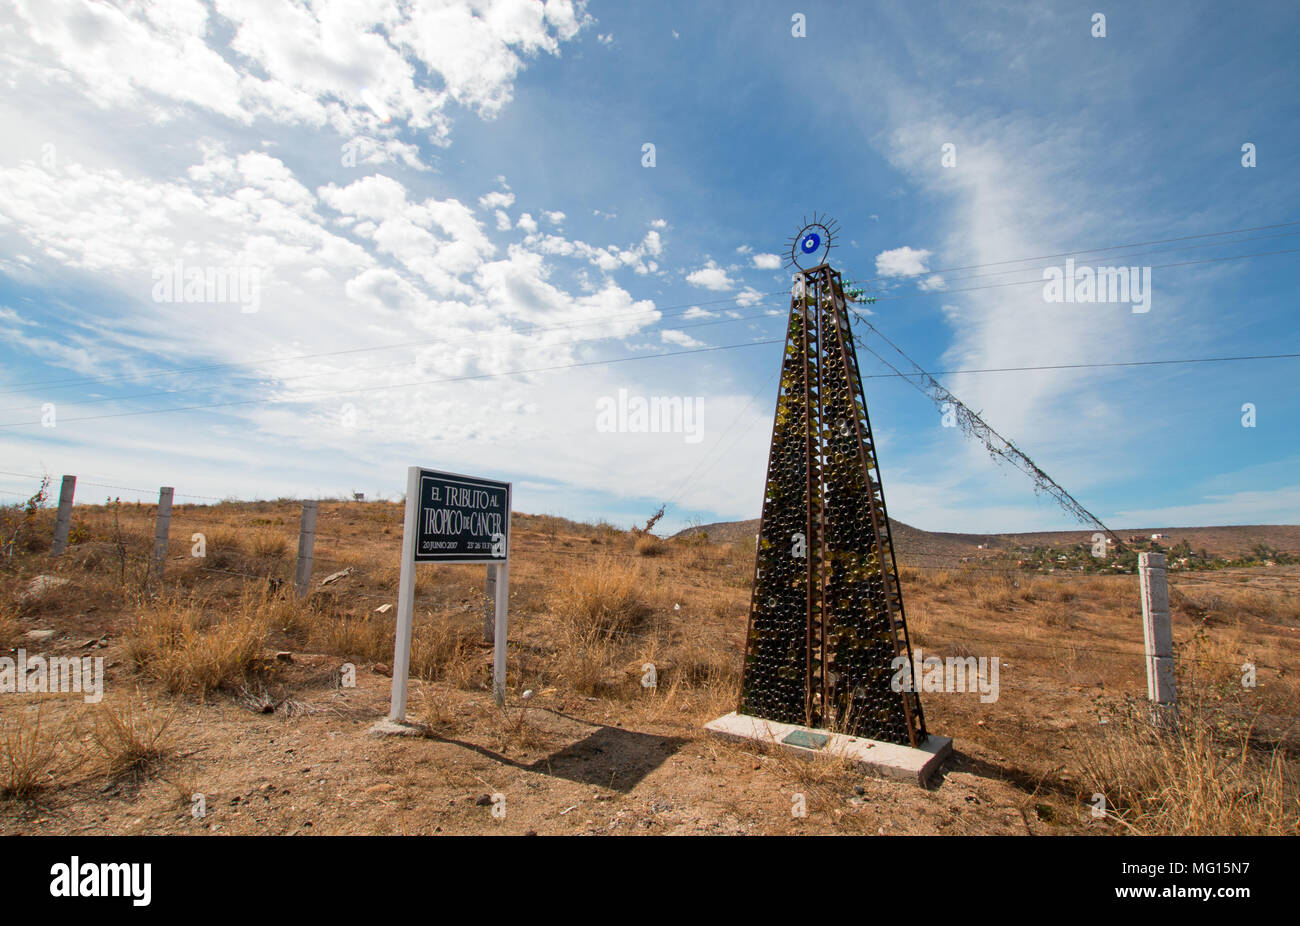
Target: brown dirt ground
623,759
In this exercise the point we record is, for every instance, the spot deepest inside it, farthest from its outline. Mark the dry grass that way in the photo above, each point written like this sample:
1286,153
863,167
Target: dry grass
648,545
9,627
438,711
176,643
131,736
443,647
584,625
28,749
1208,775
268,544
1220,602
223,546
360,639
585,661
605,597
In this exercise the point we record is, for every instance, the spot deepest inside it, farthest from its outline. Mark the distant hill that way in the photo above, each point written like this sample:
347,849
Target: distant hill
913,542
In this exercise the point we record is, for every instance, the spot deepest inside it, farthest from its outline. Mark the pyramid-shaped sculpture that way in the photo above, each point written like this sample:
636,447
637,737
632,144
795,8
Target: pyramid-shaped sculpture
826,622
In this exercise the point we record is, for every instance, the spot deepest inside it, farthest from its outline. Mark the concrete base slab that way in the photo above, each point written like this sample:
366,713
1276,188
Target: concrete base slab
887,760
389,727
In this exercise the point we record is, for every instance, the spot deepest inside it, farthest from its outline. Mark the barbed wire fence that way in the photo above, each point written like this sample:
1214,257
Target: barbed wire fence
280,571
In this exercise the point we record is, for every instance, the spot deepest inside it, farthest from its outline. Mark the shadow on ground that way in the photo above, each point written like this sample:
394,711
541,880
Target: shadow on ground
608,757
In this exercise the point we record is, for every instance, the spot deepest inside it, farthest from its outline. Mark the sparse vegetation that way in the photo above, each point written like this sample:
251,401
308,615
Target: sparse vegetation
605,597
131,736
269,545
1207,773
591,607
17,521
648,545
175,642
28,748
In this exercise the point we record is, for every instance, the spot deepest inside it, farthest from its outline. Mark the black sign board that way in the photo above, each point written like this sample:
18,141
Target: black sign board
461,519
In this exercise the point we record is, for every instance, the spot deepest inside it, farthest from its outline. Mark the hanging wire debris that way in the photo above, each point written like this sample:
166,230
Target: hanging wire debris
972,425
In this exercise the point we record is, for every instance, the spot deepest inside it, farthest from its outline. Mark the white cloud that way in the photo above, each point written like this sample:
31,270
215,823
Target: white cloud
608,258
767,261
696,312
749,296
339,63
902,262
526,223
497,200
680,338
555,218
711,276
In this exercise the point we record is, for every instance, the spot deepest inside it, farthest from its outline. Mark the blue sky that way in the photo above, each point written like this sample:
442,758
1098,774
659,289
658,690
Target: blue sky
433,197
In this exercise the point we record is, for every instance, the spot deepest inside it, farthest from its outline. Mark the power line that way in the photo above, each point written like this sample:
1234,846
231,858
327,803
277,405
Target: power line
390,346
1120,259
619,360
430,382
734,421
1185,263
1116,247
286,379
996,444
624,315
1080,366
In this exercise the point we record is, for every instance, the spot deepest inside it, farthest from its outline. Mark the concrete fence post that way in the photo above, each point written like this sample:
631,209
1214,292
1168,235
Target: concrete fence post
162,526
306,547
1157,633
64,521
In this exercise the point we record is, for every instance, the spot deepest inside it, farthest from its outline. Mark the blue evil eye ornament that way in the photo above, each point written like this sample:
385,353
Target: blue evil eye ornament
812,242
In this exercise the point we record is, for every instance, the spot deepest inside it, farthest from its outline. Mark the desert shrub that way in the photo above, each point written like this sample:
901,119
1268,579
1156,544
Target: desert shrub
443,648
606,597
18,522
1206,774
585,660
268,544
27,751
648,545
361,639
174,642
223,547
131,736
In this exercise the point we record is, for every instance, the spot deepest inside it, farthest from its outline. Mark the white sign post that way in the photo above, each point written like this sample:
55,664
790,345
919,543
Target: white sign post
451,518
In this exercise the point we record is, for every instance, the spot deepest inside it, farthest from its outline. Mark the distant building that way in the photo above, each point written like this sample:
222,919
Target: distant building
1157,536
